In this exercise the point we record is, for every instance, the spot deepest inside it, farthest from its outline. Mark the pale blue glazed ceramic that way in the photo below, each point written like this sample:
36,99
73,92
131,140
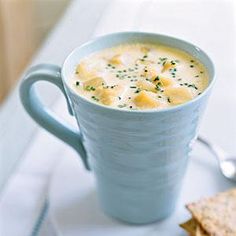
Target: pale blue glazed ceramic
139,158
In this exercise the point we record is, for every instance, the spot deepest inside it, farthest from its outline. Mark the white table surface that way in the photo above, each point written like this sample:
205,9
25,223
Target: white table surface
209,24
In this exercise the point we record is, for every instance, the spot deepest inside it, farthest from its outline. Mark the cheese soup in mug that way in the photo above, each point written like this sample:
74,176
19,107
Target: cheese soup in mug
140,76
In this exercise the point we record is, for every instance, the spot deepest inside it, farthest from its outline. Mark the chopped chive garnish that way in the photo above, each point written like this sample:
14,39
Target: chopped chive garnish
158,88
162,58
193,86
77,83
191,66
90,88
95,98
133,87
122,105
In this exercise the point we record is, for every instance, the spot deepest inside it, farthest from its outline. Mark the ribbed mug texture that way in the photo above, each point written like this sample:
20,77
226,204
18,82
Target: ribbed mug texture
139,158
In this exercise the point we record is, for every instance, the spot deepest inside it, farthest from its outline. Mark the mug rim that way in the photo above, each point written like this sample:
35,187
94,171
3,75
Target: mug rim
174,108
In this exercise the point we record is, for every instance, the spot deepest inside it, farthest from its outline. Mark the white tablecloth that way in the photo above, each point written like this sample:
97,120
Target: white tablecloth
209,24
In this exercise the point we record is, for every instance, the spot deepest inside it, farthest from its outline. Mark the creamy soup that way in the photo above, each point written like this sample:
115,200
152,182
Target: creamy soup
140,76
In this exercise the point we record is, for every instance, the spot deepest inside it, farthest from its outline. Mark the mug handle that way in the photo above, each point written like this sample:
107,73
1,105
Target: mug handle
44,117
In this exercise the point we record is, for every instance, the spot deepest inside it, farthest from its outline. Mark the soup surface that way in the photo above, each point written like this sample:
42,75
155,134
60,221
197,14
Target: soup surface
140,76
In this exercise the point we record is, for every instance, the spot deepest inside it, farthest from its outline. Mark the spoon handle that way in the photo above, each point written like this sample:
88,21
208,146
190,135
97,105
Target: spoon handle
217,151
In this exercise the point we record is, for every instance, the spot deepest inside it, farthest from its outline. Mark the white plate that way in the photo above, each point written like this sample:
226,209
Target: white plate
74,207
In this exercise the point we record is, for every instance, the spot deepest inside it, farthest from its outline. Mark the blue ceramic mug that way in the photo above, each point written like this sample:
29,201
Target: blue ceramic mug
138,157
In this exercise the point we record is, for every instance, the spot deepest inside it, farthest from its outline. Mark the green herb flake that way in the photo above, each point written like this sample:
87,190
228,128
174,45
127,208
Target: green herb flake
158,88
193,86
95,98
157,78
122,105
90,88
162,58
77,83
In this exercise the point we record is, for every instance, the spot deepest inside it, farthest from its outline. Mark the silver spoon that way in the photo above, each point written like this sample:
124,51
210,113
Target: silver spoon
227,163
